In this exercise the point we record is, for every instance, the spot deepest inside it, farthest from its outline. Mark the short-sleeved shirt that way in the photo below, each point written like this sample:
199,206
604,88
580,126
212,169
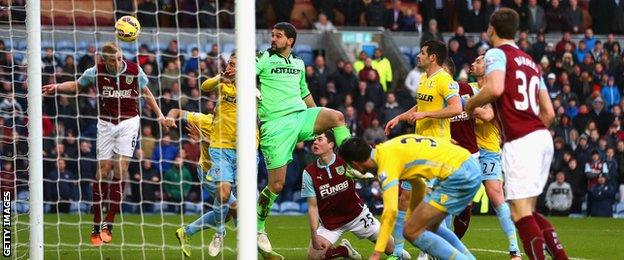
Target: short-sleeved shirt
88,77
488,134
434,91
282,85
517,109
204,123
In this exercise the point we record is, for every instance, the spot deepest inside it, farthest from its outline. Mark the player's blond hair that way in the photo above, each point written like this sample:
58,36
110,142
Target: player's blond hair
109,49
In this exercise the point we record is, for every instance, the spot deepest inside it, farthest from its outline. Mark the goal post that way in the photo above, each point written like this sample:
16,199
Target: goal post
246,131
35,134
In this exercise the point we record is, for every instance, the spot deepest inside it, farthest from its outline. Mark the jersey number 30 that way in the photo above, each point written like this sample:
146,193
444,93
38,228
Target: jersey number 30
528,99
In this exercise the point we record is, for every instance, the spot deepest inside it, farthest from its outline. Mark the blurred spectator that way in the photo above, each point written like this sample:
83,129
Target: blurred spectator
282,9
351,120
165,153
322,24
590,39
432,32
375,133
559,196
87,60
384,68
313,83
593,168
146,13
177,181
413,79
171,54
374,90
170,74
581,50
521,9
366,117
418,25
87,168
611,94
617,17
460,37
573,18
536,17
612,165
359,64
66,186
148,141
374,12
436,9
215,61
600,11
321,73
456,55
476,19
601,198
351,10
394,16
408,21
368,66
390,110
599,115
555,15
345,79
192,64
123,7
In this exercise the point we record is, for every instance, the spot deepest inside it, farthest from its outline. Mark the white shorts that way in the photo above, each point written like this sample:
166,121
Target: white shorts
526,163
363,226
120,138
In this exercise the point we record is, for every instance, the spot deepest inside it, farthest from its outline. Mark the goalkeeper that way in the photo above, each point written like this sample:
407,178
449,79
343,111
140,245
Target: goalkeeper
217,168
287,115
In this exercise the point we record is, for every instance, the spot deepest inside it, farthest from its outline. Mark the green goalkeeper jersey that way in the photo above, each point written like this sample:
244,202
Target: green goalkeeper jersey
282,85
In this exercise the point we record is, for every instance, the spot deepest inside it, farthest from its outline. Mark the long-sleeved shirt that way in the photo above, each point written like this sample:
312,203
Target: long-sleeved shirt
559,196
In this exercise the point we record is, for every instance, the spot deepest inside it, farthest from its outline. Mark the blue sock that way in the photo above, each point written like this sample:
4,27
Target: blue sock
203,222
504,217
221,212
397,234
436,246
450,237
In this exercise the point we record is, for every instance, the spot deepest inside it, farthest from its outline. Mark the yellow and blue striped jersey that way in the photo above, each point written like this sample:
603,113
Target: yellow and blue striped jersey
412,158
488,134
433,93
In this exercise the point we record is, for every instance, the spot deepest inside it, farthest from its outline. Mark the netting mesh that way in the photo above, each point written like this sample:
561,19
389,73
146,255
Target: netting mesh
181,44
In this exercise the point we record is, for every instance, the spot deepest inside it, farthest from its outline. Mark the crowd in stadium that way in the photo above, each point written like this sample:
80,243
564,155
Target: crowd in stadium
584,79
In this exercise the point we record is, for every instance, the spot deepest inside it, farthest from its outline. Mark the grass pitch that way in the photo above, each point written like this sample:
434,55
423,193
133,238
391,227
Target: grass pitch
67,237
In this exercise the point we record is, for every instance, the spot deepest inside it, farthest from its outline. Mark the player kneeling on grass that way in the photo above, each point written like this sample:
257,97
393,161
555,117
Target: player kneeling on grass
334,207
416,158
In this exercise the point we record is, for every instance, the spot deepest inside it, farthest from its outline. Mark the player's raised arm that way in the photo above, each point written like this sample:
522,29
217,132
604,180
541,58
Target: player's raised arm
395,121
151,103
86,79
211,83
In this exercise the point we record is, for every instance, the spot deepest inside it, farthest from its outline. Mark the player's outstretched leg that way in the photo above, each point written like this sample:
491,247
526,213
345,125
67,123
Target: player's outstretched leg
265,202
208,220
555,248
532,238
504,218
100,193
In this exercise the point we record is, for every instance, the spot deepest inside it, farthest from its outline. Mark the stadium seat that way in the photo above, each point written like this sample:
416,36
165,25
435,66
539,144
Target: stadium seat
64,46
290,208
83,20
208,47
45,44
275,208
192,208
304,207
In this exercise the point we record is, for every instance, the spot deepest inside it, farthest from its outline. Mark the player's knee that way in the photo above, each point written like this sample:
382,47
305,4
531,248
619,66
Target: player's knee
339,118
410,232
276,187
224,194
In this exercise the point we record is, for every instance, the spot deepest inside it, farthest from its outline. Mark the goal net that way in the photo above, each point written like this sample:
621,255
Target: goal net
181,44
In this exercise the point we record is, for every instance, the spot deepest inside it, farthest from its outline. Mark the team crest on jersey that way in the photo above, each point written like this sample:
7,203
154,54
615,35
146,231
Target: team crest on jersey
454,86
431,84
340,170
129,80
383,177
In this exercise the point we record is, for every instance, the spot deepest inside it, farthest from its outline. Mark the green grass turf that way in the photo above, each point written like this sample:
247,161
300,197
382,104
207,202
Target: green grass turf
590,238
